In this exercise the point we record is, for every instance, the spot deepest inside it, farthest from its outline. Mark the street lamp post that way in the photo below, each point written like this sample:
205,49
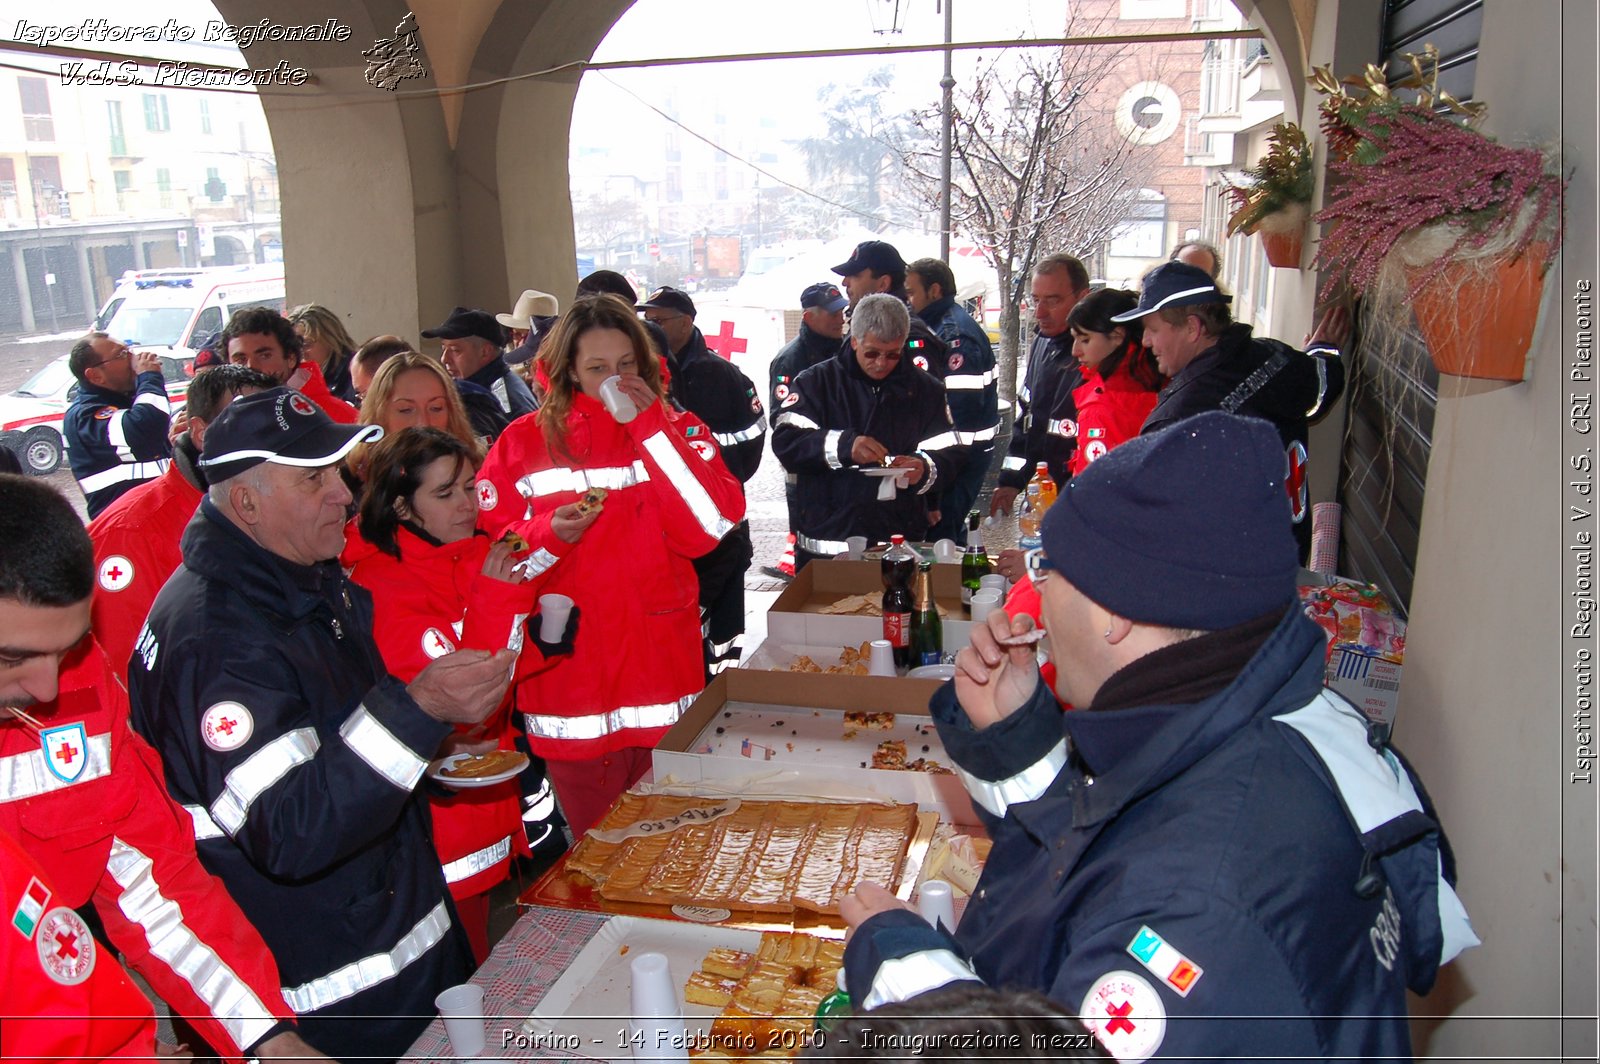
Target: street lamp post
948,84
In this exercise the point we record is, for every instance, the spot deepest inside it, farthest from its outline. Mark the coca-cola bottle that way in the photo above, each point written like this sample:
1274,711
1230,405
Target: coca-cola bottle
899,567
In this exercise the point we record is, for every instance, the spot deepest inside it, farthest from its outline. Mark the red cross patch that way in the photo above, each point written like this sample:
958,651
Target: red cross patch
1126,1015
301,405
64,747
1294,480
116,573
955,360
704,449
436,644
919,361
66,948
226,726
791,399
488,497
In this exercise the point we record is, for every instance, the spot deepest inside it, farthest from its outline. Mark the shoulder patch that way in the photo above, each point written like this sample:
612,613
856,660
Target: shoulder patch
66,948
116,573
105,413
226,726
30,909
65,749
1126,1015
791,399
488,495
704,449
781,391
436,644
920,361
955,360
1164,962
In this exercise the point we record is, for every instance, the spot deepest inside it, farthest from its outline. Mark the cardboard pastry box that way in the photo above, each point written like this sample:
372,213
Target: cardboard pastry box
796,618
785,732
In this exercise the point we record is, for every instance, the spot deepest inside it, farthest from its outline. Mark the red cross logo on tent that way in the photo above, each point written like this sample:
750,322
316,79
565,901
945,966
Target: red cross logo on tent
1294,480
725,343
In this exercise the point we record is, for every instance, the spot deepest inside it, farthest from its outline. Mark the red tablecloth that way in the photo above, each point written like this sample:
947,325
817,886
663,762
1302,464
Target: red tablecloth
522,968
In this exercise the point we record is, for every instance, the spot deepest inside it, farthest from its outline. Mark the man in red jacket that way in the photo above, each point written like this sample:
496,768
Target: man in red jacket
263,339
136,539
83,795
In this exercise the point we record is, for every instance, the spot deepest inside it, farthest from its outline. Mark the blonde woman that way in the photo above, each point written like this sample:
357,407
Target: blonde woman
412,390
325,341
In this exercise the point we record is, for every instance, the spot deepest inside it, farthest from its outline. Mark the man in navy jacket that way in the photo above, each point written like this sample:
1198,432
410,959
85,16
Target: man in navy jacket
116,427
1208,859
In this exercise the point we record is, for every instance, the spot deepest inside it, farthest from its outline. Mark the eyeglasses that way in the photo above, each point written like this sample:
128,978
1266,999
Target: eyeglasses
118,357
882,356
660,318
1038,566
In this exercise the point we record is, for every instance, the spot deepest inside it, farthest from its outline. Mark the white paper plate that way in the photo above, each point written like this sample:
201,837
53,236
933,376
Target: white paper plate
590,1002
932,672
435,772
885,471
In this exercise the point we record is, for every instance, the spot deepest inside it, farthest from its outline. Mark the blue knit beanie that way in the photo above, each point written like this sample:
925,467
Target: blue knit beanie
1186,528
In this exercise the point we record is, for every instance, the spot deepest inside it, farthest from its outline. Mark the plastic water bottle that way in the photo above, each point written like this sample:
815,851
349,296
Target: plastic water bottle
1029,518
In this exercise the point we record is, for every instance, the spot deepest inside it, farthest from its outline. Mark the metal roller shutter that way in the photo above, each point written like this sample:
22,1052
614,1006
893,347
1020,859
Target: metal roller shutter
1389,418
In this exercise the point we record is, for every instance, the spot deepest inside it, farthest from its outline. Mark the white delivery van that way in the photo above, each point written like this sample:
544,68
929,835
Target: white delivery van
179,309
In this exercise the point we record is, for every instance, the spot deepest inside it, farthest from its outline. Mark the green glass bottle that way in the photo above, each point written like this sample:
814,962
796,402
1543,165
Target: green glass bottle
927,631
835,1007
974,563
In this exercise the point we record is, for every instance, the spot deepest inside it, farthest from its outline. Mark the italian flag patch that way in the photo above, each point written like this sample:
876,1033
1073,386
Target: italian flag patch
30,908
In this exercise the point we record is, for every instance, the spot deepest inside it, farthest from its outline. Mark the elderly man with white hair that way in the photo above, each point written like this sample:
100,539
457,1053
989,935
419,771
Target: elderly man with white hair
866,408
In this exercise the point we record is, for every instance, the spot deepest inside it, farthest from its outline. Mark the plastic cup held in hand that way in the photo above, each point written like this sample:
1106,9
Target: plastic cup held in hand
461,1008
553,613
657,1011
617,401
936,904
880,658
855,547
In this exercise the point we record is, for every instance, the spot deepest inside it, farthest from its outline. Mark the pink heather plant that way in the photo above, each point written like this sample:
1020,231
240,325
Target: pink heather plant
1401,167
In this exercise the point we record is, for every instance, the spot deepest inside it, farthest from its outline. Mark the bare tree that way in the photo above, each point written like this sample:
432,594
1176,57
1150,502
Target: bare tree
857,162
599,221
1038,168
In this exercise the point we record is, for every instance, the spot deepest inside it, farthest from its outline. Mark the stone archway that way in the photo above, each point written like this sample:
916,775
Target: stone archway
397,207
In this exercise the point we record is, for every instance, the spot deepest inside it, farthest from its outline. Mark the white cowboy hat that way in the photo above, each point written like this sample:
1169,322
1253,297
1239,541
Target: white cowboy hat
531,304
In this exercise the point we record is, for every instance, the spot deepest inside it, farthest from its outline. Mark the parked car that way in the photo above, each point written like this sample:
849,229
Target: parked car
30,417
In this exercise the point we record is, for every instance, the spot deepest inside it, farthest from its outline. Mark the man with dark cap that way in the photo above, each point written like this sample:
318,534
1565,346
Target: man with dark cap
822,308
296,754
1214,363
1211,857
718,393
472,342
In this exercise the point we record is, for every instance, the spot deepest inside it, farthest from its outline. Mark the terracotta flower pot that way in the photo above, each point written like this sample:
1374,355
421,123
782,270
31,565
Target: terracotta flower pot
1479,322
1284,248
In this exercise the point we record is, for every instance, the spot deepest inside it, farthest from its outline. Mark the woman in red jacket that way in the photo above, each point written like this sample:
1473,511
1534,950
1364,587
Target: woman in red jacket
1120,379
595,716
436,587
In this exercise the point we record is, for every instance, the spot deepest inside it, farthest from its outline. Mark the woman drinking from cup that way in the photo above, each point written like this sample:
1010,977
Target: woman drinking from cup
437,586
657,495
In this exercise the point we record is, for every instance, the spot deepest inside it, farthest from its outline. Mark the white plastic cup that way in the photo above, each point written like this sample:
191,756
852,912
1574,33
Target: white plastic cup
657,1010
553,613
855,548
880,658
617,401
461,1008
945,550
936,904
996,581
984,602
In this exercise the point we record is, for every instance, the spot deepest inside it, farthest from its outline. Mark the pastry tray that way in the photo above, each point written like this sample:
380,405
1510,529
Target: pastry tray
590,1004
560,889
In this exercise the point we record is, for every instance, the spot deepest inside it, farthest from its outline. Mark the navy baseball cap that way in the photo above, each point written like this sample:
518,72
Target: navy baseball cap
669,298
464,322
874,255
1174,284
278,425
825,295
